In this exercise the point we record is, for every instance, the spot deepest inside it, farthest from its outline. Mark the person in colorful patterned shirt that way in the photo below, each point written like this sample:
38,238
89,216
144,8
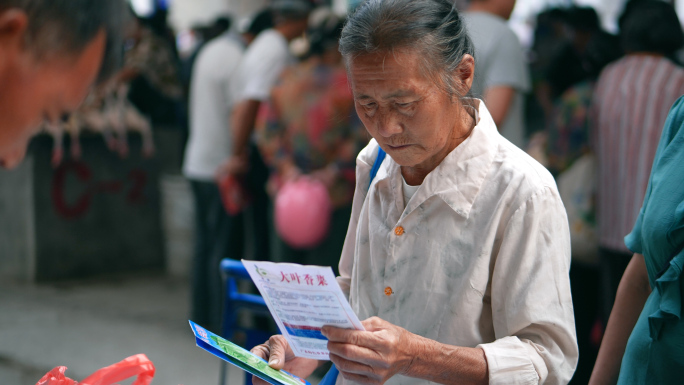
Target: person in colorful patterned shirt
309,128
568,126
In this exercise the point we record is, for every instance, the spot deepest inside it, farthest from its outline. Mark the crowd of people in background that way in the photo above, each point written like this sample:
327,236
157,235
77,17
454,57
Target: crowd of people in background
588,104
591,106
605,99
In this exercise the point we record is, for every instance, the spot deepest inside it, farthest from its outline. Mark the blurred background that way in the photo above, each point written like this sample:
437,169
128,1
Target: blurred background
98,226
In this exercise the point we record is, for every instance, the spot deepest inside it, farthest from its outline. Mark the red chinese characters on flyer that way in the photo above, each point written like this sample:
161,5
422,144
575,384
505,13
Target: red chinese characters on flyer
307,279
303,299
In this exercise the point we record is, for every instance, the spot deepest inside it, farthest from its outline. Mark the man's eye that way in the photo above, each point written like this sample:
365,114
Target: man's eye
404,105
368,106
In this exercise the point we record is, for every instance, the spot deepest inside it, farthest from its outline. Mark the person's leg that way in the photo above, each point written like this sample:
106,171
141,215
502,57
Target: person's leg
199,289
259,233
228,242
585,287
256,182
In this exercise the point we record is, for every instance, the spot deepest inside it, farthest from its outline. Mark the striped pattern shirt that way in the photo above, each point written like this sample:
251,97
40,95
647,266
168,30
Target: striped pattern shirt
631,102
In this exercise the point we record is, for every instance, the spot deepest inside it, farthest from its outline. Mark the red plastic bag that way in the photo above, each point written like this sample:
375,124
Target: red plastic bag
234,195
138,365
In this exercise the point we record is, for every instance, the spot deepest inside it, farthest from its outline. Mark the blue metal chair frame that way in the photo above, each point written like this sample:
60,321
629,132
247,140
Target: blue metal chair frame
234,301
234,271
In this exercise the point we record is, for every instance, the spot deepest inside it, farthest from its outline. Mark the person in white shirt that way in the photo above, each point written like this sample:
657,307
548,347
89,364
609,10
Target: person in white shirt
211,103
261,66
217,234
466,279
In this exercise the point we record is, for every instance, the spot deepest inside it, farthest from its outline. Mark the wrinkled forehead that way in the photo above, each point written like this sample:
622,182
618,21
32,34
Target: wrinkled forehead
398,53
387,74
395,62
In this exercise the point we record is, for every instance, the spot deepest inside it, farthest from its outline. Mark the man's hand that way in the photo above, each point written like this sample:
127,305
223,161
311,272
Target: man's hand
289,171
372,356
327,175
235,165
375,355
280,356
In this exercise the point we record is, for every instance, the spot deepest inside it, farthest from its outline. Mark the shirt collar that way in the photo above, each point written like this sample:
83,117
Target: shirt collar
457,180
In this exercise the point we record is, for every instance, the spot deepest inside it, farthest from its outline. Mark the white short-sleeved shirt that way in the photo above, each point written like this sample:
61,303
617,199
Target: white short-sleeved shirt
479,256
211,103
500,61
265,59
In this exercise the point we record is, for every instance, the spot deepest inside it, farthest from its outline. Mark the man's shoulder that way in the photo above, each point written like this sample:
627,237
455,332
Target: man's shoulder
492,38
268,41
520,171
268,48
485,23
220,46
676,71
618,65
218,58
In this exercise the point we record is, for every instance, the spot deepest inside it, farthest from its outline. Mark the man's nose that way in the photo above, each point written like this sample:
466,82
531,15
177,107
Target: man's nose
389,124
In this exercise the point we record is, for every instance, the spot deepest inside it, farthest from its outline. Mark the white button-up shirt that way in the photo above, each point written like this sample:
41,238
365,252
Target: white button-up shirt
479,256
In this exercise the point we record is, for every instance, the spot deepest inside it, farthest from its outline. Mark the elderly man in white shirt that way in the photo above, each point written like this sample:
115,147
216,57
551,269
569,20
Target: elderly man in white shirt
458,252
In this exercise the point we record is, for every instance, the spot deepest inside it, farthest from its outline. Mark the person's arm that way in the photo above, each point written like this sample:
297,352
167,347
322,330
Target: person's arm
531,304
383,350
631,296
242,123
498,100
243,119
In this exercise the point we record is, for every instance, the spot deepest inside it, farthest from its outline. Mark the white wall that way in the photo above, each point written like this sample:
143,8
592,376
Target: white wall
183,14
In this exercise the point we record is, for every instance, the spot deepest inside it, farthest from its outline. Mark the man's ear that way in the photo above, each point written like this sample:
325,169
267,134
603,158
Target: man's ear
13,24
465,73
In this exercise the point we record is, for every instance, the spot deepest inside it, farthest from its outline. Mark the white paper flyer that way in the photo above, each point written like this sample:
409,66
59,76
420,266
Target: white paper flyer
303,299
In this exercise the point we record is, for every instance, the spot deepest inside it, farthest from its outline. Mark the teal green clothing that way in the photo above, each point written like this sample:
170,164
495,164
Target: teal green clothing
655,350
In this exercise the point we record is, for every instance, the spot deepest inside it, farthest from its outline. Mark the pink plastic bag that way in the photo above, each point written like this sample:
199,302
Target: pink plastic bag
138,365
302,213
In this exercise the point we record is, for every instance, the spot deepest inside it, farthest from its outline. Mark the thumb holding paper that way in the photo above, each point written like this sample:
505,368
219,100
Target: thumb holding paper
279,355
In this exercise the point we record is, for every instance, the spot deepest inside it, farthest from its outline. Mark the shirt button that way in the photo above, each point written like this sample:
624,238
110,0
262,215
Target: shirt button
388,291
399,231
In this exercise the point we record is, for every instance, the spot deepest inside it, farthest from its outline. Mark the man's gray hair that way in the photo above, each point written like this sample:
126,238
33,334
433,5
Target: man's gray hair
432,28
67,26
